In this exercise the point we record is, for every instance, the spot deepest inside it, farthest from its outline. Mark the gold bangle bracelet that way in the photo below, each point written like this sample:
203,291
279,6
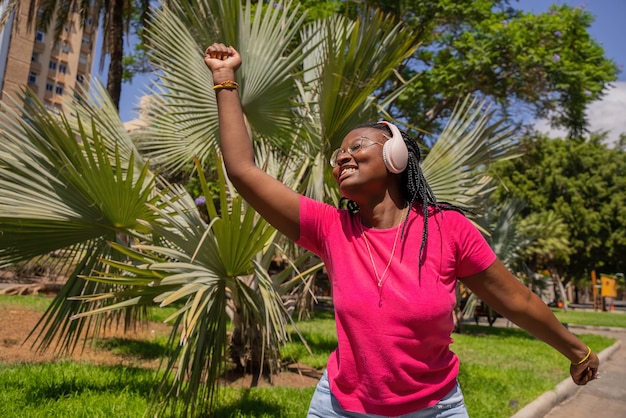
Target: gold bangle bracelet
228,85
584,358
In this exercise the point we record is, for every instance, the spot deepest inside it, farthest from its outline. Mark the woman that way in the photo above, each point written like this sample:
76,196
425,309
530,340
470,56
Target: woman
393,266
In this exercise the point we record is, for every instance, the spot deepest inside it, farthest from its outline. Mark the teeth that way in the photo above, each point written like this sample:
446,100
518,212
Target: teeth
348,170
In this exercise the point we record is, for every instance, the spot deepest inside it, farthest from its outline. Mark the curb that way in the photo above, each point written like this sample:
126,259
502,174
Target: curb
564,390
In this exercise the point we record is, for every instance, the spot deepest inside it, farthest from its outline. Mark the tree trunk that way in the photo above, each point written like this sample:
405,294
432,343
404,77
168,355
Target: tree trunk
115,39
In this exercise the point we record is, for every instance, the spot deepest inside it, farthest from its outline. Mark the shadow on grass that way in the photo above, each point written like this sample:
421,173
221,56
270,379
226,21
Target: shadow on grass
52,381
479,331
249,406
146,350
315,342
319,341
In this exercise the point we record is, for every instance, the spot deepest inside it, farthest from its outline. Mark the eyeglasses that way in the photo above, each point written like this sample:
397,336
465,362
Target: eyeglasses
356,146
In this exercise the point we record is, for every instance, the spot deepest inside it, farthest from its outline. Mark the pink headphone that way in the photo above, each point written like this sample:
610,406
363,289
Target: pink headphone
395,152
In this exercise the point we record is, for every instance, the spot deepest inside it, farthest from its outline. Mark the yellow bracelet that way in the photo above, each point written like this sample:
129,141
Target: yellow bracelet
584,358
228,85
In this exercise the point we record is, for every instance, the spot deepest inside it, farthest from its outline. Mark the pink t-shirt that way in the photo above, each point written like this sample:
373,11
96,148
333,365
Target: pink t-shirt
393,355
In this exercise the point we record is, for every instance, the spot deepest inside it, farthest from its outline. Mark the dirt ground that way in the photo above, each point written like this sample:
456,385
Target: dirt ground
17,322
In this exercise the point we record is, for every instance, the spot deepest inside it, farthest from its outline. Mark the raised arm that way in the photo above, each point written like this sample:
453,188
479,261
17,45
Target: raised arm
499,289
274,201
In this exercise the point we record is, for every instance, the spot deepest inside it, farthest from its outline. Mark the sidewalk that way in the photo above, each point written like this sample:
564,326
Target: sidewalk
601,398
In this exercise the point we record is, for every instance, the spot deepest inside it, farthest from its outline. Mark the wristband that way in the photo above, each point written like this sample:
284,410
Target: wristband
228,85
584,358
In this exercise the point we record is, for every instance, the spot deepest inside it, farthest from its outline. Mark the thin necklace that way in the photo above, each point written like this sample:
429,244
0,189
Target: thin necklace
380,279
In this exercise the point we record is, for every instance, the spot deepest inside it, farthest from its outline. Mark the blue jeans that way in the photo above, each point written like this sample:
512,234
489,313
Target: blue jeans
325,405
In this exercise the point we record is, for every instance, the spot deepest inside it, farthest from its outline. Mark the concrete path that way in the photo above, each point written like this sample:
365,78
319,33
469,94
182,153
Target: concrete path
602,398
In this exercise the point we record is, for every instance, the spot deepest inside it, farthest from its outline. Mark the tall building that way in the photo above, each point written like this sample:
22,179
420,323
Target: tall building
51,67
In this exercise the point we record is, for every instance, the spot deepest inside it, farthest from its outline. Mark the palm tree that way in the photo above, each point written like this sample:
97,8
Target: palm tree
299,102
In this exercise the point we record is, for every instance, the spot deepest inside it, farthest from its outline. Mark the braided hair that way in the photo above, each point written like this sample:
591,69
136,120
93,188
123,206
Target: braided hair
414,186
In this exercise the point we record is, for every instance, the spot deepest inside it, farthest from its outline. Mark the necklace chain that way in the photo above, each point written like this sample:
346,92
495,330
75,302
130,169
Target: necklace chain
381,279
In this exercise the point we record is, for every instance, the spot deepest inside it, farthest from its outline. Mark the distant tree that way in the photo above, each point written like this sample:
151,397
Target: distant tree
546,64
584,183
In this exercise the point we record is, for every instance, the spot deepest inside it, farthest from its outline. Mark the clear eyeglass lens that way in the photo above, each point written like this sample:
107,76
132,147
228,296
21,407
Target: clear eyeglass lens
352,149
333,158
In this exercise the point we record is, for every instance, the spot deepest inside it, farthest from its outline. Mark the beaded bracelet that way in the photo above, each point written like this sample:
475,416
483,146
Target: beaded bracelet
584,358
228,85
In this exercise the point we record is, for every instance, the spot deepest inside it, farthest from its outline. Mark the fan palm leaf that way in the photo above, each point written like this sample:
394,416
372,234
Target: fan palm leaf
186,113
455,167
63,189
202,269
357,57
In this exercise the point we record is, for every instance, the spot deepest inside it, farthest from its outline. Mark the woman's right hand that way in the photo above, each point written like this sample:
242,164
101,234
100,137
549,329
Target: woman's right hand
223,61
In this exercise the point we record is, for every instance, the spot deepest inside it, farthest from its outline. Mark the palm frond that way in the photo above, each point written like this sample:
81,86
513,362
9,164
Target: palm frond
60,188
456,165
7,7
96,106
63,188
186,113
355,59
201,269
345,64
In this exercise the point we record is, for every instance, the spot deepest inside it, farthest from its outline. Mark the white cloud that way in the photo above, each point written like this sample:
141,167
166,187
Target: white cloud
608,115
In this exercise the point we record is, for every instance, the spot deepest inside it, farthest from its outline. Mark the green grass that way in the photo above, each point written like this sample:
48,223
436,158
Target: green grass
69,389
502,369
37,303
320,335
598,319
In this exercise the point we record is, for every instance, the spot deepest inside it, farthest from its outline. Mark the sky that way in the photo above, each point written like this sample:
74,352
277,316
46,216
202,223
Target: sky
609,29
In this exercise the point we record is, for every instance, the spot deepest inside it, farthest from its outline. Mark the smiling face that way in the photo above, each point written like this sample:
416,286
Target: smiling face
359,164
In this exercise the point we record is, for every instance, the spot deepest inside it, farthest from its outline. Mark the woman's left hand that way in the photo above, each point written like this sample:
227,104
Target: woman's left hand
586,371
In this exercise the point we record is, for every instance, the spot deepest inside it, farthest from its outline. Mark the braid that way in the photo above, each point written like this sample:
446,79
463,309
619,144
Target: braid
415,187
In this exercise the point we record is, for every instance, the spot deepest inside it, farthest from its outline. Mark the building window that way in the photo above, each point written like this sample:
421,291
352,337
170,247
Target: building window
52,65
32,78
89,21
82,59
40,36
65,48
63,68
34,57
49,86
59,89
86,40
80,78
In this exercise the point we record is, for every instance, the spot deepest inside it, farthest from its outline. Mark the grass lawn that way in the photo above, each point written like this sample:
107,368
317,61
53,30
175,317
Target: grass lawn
502,369
598,319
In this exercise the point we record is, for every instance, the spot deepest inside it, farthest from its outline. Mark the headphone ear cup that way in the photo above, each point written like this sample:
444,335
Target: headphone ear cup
395,152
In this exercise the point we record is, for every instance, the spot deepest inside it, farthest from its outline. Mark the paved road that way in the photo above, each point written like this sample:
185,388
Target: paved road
605,397
602,398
